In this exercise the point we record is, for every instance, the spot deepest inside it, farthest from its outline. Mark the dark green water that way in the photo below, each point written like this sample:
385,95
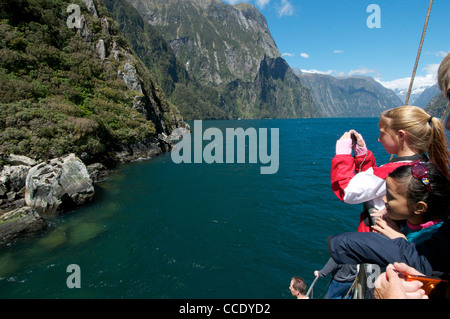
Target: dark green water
162,230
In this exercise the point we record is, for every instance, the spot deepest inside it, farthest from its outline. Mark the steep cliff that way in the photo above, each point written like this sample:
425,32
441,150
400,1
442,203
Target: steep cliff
228,48
276,92
71,84
194,99
217,42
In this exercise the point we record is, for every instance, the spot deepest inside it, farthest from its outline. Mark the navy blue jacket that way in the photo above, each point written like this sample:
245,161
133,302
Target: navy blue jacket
433,255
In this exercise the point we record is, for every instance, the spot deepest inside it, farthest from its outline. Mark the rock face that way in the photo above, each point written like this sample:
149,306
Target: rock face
19,222
228,48
216,41
12,186
27,193
58,184
138,151
276,92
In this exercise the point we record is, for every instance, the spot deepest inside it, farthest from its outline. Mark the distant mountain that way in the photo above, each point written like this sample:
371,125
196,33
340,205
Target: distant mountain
402,93
416,95
225,47
426,96
350,96
276,92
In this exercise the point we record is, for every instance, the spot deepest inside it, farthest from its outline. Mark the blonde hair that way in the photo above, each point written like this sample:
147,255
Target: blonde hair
444,74
425,134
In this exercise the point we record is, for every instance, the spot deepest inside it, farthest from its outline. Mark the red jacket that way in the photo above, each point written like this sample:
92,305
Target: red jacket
358,179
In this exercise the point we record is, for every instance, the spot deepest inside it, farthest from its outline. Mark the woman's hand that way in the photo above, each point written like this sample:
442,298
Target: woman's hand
392,285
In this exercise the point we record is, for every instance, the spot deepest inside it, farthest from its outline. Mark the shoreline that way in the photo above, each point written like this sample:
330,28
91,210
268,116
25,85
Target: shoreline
33,191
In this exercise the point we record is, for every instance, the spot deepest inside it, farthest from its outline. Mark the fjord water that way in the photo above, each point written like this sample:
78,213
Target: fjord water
163,230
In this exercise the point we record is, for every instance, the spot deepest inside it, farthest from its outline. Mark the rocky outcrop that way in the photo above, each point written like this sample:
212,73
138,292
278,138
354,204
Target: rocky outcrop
20,160
29,193
128,75
58,185
12,186
20,222
90,5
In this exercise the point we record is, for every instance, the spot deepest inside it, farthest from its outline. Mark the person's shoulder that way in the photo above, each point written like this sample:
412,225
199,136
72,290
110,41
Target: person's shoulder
384,170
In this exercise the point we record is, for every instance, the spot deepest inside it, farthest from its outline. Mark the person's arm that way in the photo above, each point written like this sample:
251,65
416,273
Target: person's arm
348,187
388,227
328,268
373,248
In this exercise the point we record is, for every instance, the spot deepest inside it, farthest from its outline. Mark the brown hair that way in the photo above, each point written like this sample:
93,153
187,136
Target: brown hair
299,285
425,134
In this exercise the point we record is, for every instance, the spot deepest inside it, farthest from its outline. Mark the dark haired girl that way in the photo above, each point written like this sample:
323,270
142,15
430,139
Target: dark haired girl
418,194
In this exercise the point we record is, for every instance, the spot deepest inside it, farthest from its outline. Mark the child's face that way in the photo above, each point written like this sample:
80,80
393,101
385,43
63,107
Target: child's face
396,201
389,142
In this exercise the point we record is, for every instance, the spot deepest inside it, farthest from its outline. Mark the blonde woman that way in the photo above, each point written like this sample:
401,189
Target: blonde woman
407,132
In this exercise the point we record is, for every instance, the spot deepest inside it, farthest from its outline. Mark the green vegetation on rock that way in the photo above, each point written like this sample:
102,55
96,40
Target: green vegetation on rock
58,95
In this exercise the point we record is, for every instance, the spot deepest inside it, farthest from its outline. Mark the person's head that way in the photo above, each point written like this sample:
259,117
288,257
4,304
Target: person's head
420,132
418,193
444,81
298,287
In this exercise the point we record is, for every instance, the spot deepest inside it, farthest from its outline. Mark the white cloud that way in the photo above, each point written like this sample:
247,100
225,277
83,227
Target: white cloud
338,51
286,9
361,71
431,68
441,53
317,71
304,55
403,83
288,54
429,79
262,3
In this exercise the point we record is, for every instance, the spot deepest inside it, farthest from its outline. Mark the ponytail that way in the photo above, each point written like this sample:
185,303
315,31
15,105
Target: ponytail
425,134
438,148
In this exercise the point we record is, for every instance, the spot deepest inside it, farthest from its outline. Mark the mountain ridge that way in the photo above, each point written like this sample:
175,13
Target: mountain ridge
224,46
352,96
218,33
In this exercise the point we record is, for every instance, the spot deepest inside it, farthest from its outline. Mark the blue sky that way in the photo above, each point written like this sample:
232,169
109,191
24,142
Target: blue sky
332,37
